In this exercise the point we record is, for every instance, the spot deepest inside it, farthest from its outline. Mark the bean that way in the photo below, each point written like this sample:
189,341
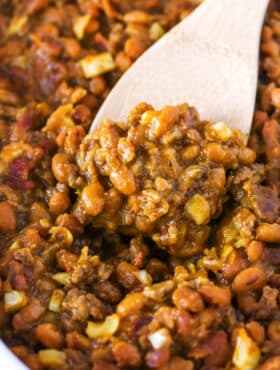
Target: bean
123,179
157,358
132,303
178,363
126,150
137,16
255,251
8,219
256,331
61,167
246,156
123,61
126,354
49,336
72,48
28,315
267,33
250,279
97,85
213,294
78,341
134,47
33,6
125,275
272,363
269,233
59,202
69,222
93,198
32,361
188,299
275,97
163,122
217,153
270,48
247,303
273,330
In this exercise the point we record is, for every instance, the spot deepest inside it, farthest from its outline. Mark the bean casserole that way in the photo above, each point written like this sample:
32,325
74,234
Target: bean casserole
148,244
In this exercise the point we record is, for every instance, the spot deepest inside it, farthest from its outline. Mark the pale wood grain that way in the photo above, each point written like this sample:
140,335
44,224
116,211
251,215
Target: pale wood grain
209,60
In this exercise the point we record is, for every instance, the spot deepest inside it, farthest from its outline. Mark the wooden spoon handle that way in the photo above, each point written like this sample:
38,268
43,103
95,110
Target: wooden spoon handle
234,21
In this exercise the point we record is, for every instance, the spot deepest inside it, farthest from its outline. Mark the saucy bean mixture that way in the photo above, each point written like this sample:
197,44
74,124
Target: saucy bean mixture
148,244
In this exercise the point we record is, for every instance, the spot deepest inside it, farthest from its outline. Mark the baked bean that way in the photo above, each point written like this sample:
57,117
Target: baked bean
164,122
275,97
273,330
49,336
8,219
255,251
137,16
97,85
157,358
69,222
269,233
72,48
270,48
93,198
256,331
272,363
28,315
213,294
123,61
188,299
59,202
134,47
123,179
132,303
178,363
78,341
126,354
61,167
250,279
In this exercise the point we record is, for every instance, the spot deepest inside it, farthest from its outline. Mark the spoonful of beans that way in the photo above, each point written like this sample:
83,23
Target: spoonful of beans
209,60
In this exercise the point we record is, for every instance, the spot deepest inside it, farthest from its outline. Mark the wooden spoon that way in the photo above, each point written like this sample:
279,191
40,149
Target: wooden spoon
209,60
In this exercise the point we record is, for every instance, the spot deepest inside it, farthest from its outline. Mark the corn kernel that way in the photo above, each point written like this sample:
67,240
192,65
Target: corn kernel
198,209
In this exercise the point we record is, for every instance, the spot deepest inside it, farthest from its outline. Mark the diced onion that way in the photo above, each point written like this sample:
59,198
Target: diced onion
160,338
61,277
16,25
156,31
105,329
51,357
96,65
246,353
56,299
14,300
144,277
218,130
80,25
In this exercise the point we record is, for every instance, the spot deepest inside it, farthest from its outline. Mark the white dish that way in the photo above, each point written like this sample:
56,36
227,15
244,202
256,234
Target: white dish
8,361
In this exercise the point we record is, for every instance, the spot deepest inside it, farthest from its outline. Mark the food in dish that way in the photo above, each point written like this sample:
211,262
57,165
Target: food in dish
151,243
